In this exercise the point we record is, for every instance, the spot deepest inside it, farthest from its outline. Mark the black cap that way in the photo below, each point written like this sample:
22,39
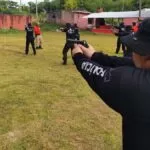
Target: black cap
139,42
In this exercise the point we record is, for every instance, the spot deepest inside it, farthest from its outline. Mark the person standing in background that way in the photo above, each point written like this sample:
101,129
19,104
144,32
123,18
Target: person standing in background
134,27
120,31
38,36
128,30
29,38
70,34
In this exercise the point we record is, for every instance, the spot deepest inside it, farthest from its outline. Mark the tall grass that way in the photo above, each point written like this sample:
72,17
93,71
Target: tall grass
47,106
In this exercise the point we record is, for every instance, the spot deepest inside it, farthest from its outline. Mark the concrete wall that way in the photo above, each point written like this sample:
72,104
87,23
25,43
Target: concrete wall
69,17
128,21
14,21
80,21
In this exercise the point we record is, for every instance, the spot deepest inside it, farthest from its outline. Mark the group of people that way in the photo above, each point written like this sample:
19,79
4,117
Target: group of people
33,33
123,83
123,30
72,32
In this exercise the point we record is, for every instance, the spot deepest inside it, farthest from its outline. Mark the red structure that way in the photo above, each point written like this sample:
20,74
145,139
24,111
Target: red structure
100,25
64,17
14,21
106,29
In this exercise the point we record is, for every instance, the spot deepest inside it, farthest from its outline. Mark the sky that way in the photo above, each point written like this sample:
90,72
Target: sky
26,1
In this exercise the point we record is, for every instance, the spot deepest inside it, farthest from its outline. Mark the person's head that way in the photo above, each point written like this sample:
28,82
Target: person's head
139,43
68,25
36,24
121,24
29,25
134,23
75,25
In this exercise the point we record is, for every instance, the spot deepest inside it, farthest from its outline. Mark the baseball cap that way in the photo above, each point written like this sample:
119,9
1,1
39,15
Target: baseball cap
139,42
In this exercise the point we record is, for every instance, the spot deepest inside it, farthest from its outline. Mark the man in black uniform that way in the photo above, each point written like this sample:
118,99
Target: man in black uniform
121,30
77,34
123,84
29,38
70,34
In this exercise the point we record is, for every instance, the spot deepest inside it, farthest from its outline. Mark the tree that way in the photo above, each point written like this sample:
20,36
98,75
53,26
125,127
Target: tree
32,7
70,4
8,6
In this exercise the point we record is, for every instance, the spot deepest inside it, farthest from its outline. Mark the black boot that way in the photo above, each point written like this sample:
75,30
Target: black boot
40,47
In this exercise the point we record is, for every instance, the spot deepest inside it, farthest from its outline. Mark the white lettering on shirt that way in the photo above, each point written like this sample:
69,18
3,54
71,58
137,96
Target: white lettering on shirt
93,69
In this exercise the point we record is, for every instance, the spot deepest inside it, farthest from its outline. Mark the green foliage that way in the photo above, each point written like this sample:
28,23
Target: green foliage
49,26
9,31
70,4
46,6
8,7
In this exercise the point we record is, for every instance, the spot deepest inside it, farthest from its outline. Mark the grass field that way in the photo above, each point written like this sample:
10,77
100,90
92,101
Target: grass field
47,106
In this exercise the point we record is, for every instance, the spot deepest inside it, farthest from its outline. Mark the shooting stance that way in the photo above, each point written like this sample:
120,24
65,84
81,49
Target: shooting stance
123,84
29,39
70,34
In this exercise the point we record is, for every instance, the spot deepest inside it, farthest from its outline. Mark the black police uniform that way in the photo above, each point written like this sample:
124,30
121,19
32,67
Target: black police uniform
29,39
127,50
121,29
124,88
77,34
70,34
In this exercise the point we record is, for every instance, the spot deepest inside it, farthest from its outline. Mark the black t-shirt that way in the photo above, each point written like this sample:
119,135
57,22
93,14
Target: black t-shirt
70,33
124,88
77,35
29,32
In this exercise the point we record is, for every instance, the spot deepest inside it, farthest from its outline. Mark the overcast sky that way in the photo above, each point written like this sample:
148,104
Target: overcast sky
26,1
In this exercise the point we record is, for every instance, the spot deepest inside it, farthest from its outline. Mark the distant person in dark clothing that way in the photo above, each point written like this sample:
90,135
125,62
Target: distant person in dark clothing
127,51
29,39
127,30
70,34
77,34
119,31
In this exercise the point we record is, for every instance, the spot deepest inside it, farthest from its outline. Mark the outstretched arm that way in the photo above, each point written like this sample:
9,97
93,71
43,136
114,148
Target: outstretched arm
104,59
104,80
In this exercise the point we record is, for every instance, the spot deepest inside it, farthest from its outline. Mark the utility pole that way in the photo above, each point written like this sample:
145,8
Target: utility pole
36,9
20,5
140,7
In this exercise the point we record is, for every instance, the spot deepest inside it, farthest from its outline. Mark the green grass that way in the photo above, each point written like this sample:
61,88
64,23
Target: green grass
47,106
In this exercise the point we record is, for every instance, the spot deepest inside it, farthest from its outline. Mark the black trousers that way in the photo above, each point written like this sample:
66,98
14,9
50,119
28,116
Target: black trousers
119,44
127,52
28,42
66,48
